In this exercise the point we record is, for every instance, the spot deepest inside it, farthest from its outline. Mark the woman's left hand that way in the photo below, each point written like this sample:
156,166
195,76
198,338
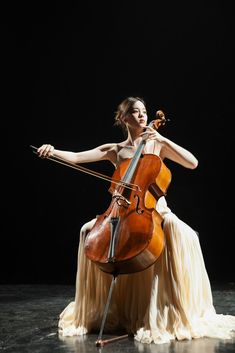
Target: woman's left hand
151,134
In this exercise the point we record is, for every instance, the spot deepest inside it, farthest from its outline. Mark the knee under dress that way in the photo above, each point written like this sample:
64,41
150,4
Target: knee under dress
170,300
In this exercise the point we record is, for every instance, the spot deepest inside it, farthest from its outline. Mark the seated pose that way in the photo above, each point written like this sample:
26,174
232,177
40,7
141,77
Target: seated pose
172,298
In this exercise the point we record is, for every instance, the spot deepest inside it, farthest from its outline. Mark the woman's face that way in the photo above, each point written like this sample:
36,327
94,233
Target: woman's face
137,116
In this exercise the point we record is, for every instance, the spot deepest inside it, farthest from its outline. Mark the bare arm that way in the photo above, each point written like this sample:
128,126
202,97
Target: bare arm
178,154
103,152
171,150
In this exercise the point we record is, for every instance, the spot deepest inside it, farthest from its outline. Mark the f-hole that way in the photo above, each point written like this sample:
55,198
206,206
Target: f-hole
138,209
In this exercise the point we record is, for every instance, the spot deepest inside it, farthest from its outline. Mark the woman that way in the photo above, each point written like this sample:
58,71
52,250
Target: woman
171,299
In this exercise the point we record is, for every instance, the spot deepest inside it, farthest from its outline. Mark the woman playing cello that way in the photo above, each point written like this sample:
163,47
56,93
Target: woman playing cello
172,299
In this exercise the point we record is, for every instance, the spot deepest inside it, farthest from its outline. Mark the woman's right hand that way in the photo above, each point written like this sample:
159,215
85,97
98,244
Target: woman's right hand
45,151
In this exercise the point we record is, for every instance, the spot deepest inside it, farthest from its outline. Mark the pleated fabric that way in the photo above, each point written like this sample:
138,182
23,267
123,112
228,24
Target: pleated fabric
170,300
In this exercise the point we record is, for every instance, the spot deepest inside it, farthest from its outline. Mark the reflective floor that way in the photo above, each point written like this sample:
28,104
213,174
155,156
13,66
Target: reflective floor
29,317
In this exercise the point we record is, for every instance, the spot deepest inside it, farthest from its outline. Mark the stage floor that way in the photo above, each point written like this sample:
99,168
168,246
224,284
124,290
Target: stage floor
29,318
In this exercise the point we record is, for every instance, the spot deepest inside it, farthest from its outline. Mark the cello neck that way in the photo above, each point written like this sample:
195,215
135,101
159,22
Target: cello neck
132,166
135,159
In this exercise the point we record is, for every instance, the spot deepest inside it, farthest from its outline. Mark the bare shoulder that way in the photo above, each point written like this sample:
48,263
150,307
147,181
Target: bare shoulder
106,147
110,151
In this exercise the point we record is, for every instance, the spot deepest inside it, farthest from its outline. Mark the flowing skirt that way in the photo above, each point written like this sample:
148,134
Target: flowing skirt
172,299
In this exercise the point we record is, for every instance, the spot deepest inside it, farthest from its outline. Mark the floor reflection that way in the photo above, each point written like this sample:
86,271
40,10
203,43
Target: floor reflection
86,344
200,345
29,323
76,344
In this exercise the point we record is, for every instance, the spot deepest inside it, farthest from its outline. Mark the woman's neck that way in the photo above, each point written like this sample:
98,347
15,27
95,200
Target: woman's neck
134,138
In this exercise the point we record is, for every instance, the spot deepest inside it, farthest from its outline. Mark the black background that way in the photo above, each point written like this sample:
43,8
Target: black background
66,67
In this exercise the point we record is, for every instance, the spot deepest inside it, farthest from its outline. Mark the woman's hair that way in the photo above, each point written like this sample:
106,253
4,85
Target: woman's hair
124,108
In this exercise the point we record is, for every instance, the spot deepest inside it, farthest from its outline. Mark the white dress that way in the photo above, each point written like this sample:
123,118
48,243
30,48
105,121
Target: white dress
170,300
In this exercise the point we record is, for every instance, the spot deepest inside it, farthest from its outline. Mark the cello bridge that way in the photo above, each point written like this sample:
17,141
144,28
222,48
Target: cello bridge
121,200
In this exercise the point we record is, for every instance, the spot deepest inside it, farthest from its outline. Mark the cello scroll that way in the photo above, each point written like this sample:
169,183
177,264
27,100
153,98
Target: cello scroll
160,120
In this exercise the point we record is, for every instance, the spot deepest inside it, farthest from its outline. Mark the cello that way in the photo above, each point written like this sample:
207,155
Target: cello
128,237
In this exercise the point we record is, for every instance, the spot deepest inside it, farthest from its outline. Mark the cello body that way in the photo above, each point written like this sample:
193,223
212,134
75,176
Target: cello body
128,237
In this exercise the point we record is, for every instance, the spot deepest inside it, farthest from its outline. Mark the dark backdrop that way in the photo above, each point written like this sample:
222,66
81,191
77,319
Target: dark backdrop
66,68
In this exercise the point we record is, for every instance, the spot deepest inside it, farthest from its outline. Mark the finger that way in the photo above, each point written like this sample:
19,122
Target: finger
43,150
144,134
149,128
47,150
40,150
